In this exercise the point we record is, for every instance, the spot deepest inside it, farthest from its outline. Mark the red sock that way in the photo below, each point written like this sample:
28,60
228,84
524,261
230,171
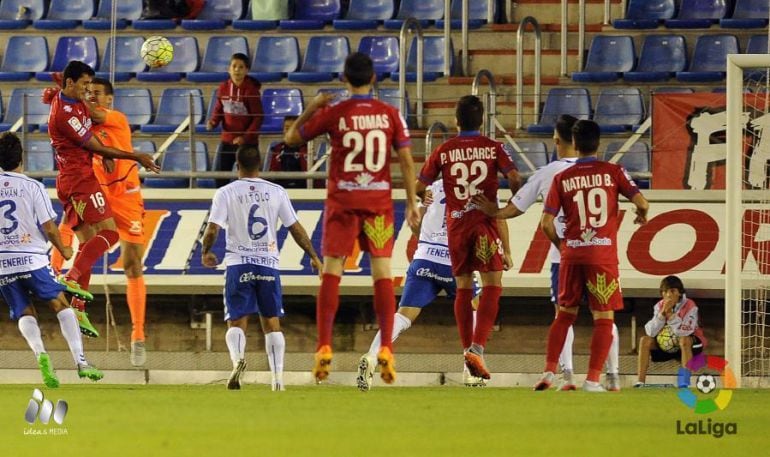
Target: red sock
326,308
385,308
489,304
464,316
601,340
556,336
90,251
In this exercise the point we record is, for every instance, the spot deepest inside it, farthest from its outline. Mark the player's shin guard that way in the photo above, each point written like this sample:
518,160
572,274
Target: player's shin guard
136,296
489,304
89,252
600,347
326,308
385,307
556,336
464,316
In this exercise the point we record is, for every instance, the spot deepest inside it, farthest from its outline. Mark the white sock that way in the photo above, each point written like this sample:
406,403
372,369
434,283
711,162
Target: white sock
612,358
31,332
71,331
236,343
565,358
400,324
275,346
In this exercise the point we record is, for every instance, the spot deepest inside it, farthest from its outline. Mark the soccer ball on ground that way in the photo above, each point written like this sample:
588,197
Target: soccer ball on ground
157,52
706,383
667,340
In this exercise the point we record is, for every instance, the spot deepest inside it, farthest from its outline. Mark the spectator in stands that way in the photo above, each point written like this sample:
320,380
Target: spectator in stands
289,158
239,109
172,9
673,332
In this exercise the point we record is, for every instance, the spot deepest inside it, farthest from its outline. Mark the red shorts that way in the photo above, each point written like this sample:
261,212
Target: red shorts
476,248
83,201
599,282
129,216
374,230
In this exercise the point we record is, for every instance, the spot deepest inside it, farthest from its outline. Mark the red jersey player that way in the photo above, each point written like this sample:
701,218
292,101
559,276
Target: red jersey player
588,194
358,204
469,164
85,207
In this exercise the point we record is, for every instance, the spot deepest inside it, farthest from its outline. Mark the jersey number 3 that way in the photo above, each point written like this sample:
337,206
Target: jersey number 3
8,207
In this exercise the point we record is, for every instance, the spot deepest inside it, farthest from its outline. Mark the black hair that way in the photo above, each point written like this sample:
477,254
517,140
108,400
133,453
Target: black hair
242,57
585,135
10,151
469,113
75,70
564,125
104,83
672,282
359,69
247,157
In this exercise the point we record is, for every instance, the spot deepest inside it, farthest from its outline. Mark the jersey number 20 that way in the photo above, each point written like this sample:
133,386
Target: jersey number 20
375,148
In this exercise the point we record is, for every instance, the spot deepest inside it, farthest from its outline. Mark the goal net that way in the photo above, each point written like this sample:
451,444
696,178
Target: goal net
747,265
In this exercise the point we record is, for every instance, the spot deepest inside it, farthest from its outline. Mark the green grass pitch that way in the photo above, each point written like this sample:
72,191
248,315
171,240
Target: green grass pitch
149,421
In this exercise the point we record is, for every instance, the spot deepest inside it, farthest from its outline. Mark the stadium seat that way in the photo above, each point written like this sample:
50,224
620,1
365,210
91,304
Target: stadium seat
757,44
145,146
340,94
277,104
324,59
185,61
635,160
365,14
393,98
82,48
136,104
433,59
619,109
748,14
574,101
128,58
37,112
477,14
216,60
312,14
263,15
645,14
216,14
40,158
202,127
424,11
709,61
698,14
608,57
9,13
265,161
173,108
178,158
384,53
24,56
66,14
128,10
275,57
661,57
535,151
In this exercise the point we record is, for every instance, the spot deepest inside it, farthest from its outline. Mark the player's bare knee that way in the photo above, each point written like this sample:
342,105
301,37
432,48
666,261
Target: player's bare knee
410,312
685,342
59,303
645,343
270,324
240,323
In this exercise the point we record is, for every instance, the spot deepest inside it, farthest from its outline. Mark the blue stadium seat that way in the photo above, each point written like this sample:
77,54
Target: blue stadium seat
263,15
173,108
82,48
178,158
636,159
574,101
535,151
619,109
324,59
477,14
128,10
216,14
277,104
24,56
312,14
185,61
433,59
40,158
424,11
37,112
365,14
392,97
608,57
136,104
275,57
645,14
9,13
216,60
66,14
698,14
757,45
340,94
709,61
384,52
266,160
748,14
145,146
202,128
661,57
128,58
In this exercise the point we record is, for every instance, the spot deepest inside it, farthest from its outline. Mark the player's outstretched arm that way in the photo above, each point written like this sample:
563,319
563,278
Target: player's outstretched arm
93,144
208,258
410,179
502,227
491,209
293,137
547,226
642,206
51,230
300,237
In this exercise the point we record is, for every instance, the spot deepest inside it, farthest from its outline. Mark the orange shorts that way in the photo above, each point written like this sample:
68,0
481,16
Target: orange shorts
600,283
372,228
128,211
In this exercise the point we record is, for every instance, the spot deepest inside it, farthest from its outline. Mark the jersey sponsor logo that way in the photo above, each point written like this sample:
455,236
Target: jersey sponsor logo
428,273
250,277
601,290
486,248
6,280
378,233
363,181
74,122
136,227
587,239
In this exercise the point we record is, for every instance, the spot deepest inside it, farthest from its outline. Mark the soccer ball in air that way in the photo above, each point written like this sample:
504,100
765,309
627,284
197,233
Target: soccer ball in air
706,383
157,52
667,340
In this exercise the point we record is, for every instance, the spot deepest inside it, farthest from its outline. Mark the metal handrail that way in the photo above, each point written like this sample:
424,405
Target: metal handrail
464,38
520,68
408,25
606,20
563,38
491,128
431,131
191,133
491,11
581,32
447,39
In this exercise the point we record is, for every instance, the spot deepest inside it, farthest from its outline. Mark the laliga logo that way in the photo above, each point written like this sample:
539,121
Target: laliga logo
706,384
40,408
